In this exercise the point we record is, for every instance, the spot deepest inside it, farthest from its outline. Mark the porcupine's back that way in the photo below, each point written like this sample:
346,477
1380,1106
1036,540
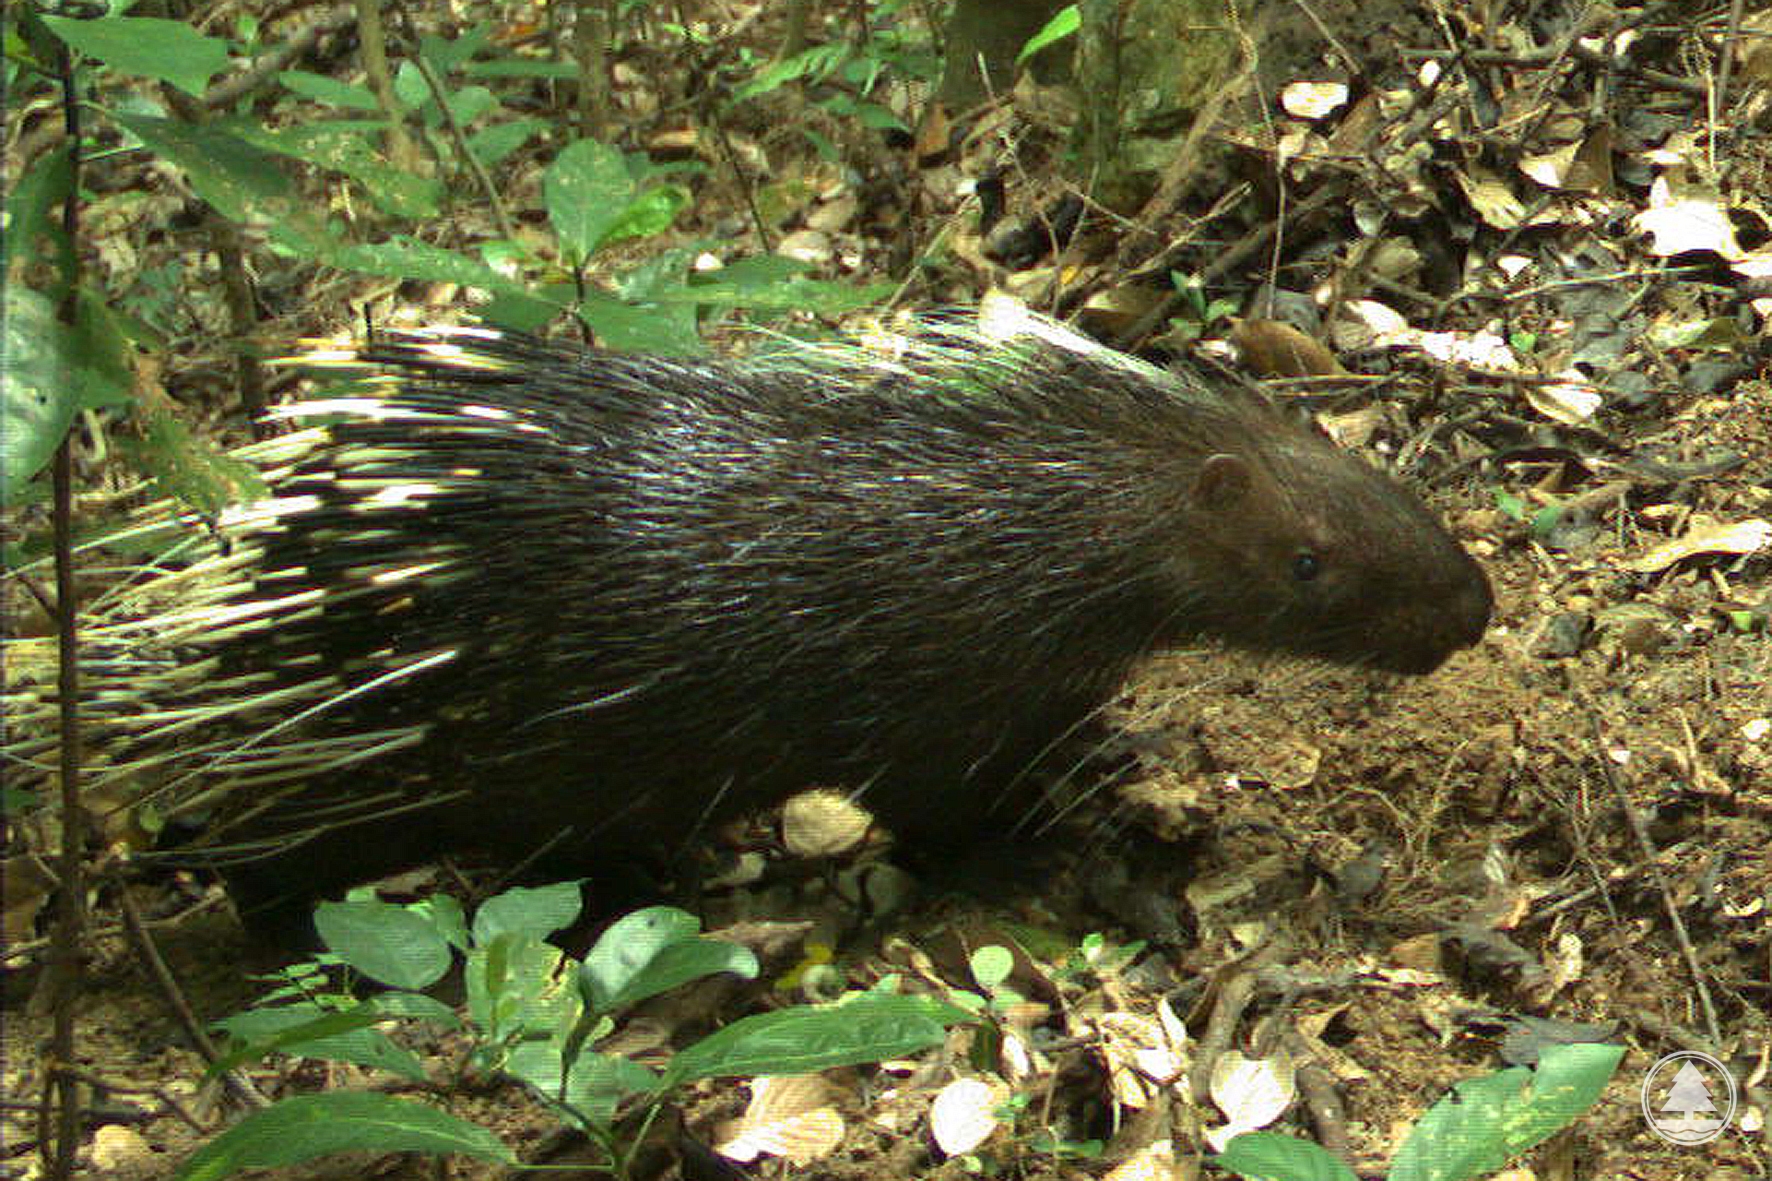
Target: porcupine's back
519,595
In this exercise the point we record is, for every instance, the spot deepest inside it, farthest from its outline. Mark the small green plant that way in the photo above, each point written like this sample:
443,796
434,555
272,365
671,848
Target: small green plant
1472,1132
1064,23
843,78
1199,314
1542,521
533,1014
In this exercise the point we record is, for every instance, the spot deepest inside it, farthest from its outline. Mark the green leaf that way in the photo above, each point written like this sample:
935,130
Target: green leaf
305,1030
536,913
587,190
511,67
1064,23
328,91
609,986
1270,1156
492,144
307,1126
865,1027
445,914
624,953
167,50
617,324
992,965
384,942
344,148
406,258
595,1088
1488,1121
48,372
652,212
241,182
30,232
516,989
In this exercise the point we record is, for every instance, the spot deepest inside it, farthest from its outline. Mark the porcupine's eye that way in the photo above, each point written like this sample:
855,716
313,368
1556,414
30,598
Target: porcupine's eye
1306,566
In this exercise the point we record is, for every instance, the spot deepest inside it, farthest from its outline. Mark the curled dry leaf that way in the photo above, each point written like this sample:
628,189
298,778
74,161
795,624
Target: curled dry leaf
1681,219
1138,1052
1706,537
789,1117
822,824
964,1114
1571,403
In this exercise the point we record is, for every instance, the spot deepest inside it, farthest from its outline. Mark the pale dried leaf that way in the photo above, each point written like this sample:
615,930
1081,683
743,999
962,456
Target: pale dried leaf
1566,402
822,824
1686,218
1252,1092
1494,202
788,1116
1313,100
1706,537
963,1115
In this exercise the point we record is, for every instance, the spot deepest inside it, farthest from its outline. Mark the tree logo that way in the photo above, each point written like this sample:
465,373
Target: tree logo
1680,1098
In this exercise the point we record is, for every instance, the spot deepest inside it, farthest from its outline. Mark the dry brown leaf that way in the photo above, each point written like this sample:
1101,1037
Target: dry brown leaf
789,1117
1705,536
822,823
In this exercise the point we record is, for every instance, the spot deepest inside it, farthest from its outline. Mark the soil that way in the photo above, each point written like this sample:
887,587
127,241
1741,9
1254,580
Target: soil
1391,885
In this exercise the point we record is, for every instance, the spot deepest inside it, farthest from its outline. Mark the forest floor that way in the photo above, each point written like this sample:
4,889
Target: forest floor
1378,887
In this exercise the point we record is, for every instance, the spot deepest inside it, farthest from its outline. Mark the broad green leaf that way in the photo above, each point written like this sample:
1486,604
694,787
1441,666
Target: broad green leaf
241,182
445,914
30,232
167,50
647,214
624,952
1270,1156
384,942
596,1088
48,372
866,1027
510,67
492,144
1486,1122
587,190
305,1030
667,329
307,1126
345,149
516,988
407,258
328,91
536,912
992,965
672,965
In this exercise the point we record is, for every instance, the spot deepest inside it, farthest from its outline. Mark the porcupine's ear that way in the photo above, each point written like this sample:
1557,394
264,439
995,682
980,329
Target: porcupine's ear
1223,481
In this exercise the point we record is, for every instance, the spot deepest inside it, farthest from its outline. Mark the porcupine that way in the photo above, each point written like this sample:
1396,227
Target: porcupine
512,595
